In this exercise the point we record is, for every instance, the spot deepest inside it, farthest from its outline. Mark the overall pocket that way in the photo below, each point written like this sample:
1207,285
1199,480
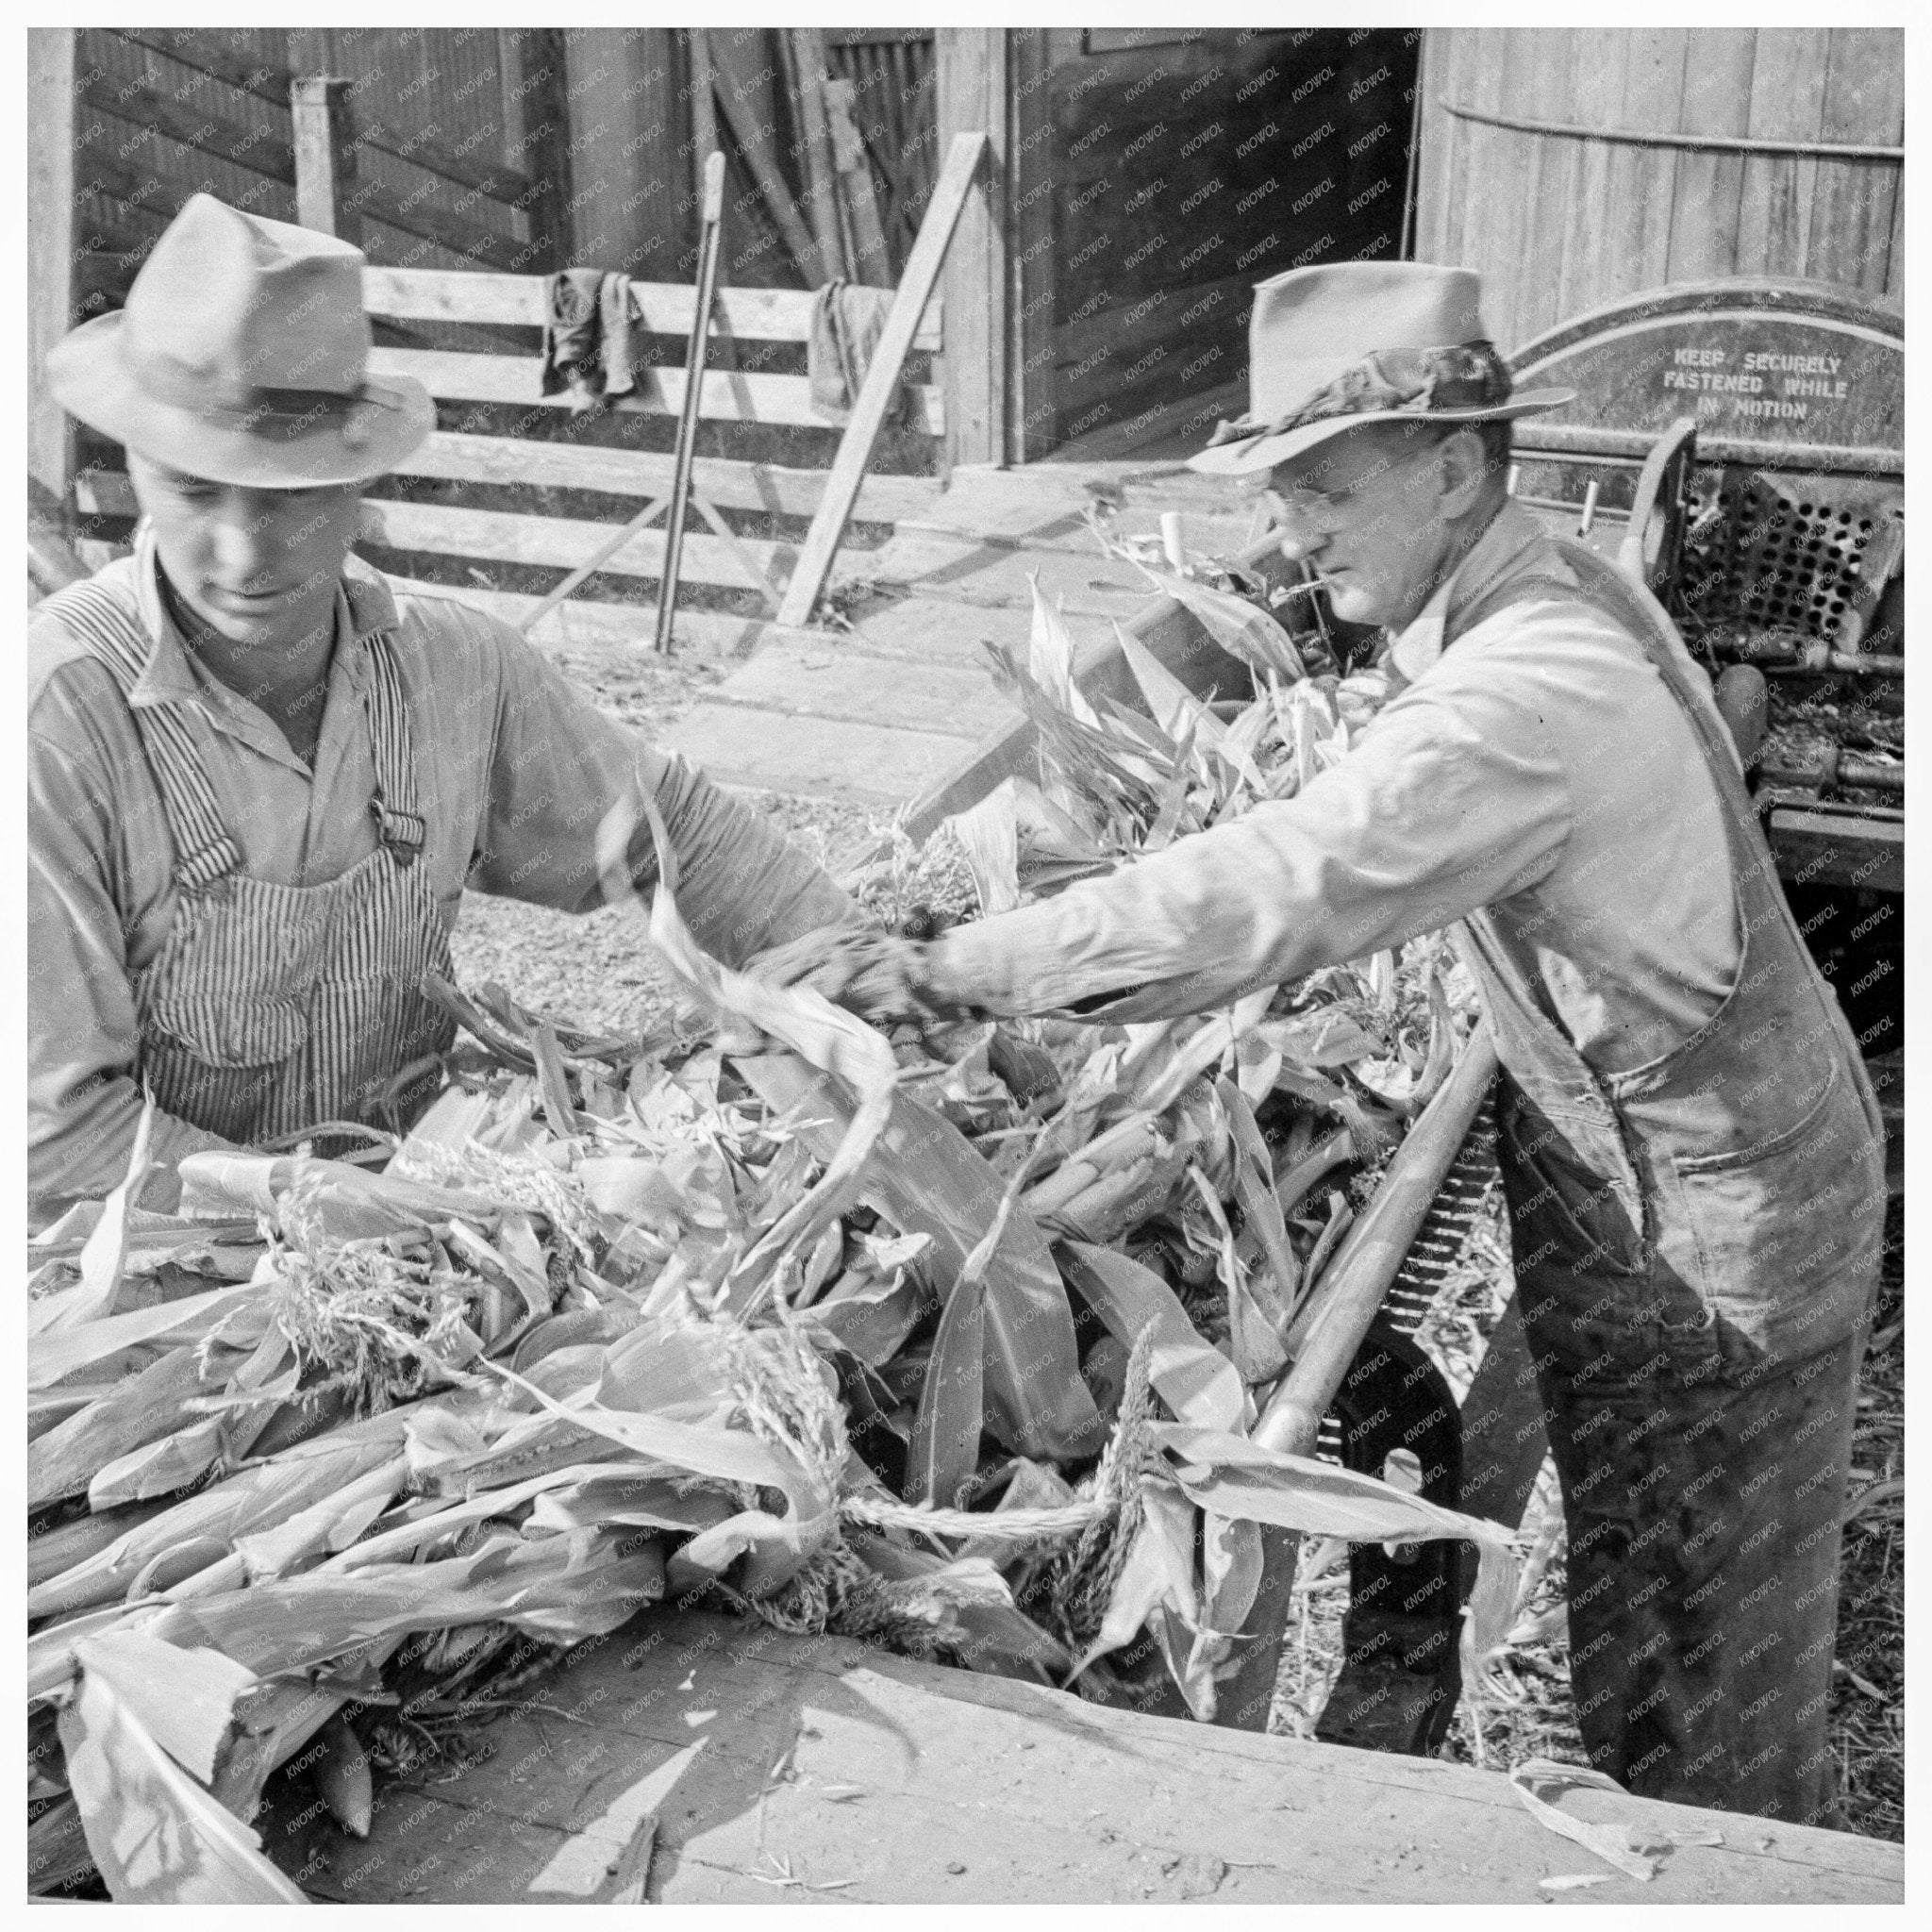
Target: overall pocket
233,1032
1781,1240
1583,1275
1566,1203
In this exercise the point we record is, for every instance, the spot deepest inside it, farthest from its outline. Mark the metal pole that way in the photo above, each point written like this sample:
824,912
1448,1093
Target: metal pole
694,389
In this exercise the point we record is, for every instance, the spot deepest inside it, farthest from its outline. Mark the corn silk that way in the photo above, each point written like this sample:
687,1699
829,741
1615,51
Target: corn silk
949,1341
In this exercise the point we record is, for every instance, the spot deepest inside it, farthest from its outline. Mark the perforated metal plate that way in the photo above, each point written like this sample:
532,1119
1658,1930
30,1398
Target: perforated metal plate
1807,554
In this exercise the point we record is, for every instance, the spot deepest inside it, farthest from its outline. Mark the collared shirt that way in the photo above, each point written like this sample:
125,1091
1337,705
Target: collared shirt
1536,763
513,769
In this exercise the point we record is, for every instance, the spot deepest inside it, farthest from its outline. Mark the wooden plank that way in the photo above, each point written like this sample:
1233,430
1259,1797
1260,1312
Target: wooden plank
162,113
49,248
729,396
918,631
1032,384
374,201
871,258
546,199
973,93
666,308
1011,505
910,1783
882,379
1538,182
325,194
503,460
1602,56
206,51
816,756
964,570
731,541
1835,848
622,121
758,151
1444,168
1516,224
1864,101
98,171
447,229
561,542
1717,100
1056,524
269,81
805,60
1479,84
1653,91
609,640
812,675
1787,104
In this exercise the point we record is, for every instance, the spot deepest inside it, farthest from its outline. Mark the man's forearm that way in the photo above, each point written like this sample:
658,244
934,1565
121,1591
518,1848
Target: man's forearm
744,886
79,1149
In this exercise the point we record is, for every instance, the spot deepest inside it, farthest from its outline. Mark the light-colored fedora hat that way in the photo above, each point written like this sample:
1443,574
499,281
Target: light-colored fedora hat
1332,348
242,356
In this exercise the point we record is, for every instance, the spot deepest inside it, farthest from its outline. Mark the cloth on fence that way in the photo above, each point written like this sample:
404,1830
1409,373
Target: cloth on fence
591,344
847,319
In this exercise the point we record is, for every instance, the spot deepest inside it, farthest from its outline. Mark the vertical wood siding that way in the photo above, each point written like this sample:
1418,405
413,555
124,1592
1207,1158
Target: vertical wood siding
1557,225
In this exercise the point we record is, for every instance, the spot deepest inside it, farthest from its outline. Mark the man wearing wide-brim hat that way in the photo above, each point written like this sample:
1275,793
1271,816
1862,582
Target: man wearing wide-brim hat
259,780
1690,1150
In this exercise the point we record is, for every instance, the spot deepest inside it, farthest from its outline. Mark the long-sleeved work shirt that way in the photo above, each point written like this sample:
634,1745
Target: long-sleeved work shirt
1534,763
514,770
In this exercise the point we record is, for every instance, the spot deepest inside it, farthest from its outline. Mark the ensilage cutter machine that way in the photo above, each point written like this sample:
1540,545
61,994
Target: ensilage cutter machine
1740,446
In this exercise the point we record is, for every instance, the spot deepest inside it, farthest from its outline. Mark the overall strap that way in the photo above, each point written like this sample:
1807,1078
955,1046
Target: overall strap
1606,590
1635,611
205,852
394,754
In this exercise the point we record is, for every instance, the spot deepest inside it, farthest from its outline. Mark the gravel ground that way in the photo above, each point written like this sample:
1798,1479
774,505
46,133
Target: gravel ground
599,971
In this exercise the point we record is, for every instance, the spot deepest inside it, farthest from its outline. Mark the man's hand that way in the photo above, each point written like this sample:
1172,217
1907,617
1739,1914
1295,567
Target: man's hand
880,977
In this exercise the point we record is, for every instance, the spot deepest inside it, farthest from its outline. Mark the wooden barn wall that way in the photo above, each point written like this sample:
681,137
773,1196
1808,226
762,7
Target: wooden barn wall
1558,225
475,91
152,125
633,143
1184,170
631,166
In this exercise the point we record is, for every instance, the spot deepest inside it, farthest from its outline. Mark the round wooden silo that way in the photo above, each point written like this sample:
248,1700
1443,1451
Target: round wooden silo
1568,167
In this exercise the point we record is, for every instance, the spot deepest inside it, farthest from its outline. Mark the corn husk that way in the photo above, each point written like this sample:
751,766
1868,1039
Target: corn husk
619,1316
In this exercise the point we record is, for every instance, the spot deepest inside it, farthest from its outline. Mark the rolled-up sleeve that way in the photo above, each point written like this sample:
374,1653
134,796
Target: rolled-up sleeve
559,766
83,1100
1453,798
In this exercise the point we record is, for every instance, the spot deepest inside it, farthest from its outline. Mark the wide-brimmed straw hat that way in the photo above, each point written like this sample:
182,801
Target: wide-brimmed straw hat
242,356
1334,347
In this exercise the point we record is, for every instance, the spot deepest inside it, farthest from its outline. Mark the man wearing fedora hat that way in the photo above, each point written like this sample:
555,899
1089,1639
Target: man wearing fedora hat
258,781
1690,1151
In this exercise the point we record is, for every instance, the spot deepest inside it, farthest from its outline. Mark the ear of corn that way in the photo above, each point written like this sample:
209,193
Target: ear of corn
771,1318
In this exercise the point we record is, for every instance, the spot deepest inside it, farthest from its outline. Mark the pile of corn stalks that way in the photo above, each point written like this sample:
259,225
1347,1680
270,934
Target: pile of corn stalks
953,1344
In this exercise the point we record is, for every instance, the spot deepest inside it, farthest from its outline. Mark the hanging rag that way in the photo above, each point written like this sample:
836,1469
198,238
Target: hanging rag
847,319
591,344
